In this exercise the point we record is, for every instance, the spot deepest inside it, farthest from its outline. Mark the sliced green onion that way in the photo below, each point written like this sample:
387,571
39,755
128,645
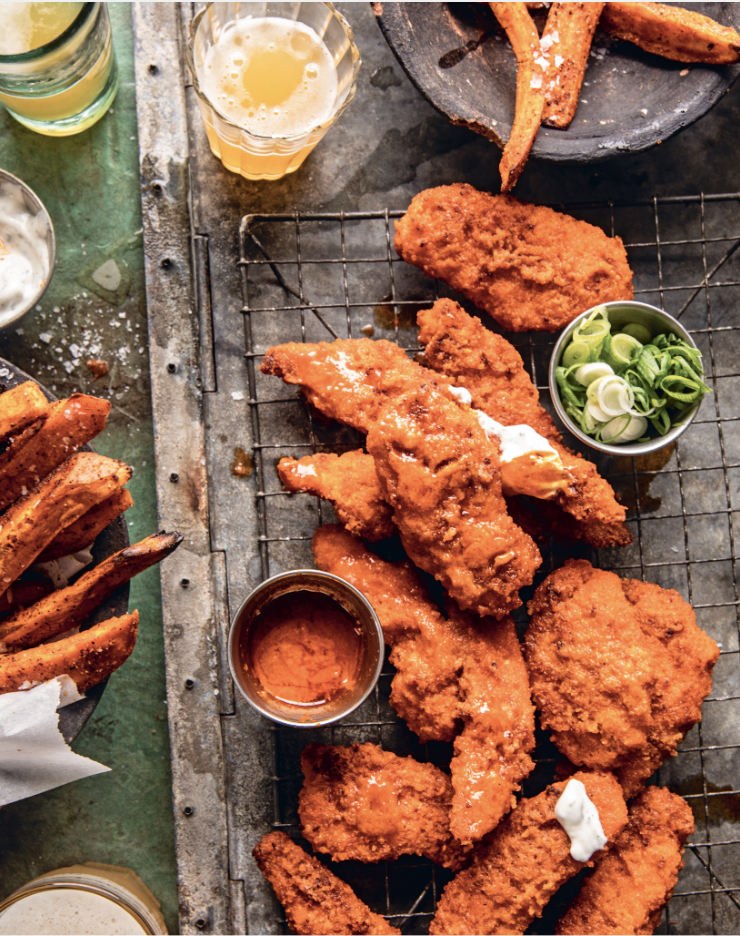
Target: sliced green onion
576,353
615,396
587,373
635,330
672,384
597,412
623,350
623,429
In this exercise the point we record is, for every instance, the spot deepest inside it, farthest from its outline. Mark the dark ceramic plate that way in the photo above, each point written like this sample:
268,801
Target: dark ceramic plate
72,717
457,56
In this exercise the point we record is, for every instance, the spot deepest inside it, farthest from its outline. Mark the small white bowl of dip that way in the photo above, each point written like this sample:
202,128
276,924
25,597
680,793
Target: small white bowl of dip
27,249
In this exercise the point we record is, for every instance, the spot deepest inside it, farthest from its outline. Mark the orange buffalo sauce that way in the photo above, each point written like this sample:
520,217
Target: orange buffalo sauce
303,649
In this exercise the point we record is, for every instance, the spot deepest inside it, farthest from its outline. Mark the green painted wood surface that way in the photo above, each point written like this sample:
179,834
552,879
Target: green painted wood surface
90,185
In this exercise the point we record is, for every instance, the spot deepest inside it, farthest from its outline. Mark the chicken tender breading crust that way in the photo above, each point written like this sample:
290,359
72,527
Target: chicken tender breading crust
529,267
350,482
518,868
619,669
440,474
364,803
460,677
631,885
316,902
464,351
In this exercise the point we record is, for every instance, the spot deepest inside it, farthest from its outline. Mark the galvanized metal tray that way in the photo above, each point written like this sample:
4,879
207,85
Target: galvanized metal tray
219,294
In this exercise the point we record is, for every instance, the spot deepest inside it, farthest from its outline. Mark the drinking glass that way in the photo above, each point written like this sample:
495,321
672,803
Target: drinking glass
65,86
241,150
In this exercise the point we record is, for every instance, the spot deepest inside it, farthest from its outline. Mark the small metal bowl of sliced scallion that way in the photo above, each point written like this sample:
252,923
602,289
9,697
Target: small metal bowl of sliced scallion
626,378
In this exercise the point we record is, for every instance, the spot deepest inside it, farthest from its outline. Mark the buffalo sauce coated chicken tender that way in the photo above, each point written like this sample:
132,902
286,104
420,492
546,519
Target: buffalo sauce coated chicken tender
463,351
441,475
367,804
316,902
618,667
522,863
458,678
529,267
631,885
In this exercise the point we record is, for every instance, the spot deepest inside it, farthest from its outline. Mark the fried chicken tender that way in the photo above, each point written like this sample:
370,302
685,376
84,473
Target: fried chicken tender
460,678
528,266
315,900
349,380
350,482
618,668
631,885
523,862
463,350
440,474
367,804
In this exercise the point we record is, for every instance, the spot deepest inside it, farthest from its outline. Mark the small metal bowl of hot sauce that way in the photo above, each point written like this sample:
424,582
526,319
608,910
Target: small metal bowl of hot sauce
305,648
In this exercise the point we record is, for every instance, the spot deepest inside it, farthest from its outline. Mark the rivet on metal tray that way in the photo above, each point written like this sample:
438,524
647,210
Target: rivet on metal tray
172,368
188,811
174,477
156,188
153,70
166,263
189,683
200,923
185,582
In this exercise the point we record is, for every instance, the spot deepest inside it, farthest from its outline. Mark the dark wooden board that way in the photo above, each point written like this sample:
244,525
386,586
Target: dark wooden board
633,100
114,537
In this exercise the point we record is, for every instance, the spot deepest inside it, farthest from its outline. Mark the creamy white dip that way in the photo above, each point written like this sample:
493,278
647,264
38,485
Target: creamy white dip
24,252
67,912
580,818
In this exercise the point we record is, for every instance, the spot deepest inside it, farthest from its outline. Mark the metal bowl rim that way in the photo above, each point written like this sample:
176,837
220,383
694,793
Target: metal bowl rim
9,177
297,575
643,448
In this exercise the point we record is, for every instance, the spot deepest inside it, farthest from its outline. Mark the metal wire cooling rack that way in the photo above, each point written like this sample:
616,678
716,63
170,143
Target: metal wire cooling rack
314,277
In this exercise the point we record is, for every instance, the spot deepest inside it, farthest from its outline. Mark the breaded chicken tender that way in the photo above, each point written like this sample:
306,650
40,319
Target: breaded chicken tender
459,677
618,667
518,868
469,355
350,482
529,267
349,380
316,902
367,804
440,473
631,885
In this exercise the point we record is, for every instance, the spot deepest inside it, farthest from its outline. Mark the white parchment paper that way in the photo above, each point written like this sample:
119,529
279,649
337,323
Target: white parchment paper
33,754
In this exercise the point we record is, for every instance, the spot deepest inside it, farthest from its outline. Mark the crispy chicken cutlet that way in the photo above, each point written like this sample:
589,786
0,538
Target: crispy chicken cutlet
618,668
631,885
459,677
464,351
440,473
367,804
529,267
316,902
350,482
518,868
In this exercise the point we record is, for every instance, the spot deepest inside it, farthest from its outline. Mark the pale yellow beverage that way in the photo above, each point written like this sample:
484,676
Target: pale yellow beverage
66,77
28,26
274,78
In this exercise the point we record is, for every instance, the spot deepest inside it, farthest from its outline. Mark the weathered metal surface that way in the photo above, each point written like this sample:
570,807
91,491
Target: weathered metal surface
191,618
459,59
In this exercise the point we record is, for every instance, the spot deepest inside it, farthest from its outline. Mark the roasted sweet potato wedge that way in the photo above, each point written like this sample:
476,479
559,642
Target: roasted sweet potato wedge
87,657
68,426
67,608
27,528
20,407
566,43
23,594
673,32
522,34
80,534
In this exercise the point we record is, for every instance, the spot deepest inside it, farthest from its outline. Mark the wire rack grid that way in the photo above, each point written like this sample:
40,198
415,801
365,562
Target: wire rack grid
314,277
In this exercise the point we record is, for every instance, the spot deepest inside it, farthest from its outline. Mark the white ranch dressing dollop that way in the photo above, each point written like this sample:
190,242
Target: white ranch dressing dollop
580,818
542,475
24,255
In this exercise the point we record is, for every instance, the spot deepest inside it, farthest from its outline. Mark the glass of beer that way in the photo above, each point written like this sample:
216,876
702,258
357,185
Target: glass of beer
58,71
270,80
